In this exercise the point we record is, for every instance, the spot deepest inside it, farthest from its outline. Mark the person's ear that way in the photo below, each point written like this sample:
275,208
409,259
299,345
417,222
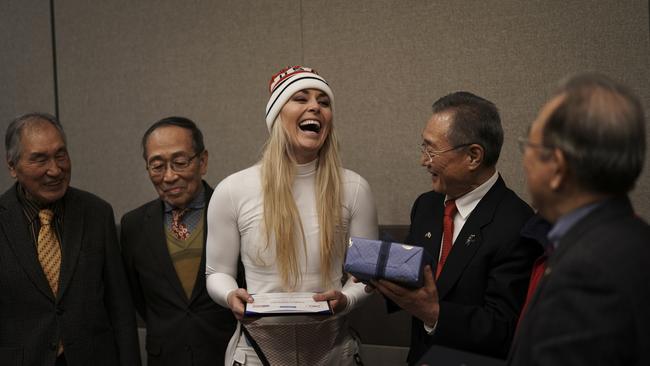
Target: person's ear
475,156
560,172
12,169
203,162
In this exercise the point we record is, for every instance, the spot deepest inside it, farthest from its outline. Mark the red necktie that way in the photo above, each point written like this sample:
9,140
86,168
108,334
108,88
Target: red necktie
538,271
447,234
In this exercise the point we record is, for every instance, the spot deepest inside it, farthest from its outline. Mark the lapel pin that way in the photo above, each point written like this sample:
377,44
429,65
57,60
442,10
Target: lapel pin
428,235
471,239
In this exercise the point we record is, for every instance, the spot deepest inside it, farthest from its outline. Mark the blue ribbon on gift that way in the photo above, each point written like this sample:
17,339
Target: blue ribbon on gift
382,259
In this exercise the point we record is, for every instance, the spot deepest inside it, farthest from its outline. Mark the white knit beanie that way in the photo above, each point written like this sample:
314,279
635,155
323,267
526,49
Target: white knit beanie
287,82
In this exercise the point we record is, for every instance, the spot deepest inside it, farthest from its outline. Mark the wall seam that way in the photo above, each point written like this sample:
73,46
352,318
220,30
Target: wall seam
54,63
302,36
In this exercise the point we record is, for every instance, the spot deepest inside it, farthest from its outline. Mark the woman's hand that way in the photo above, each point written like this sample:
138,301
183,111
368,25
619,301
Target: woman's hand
338,301
237,301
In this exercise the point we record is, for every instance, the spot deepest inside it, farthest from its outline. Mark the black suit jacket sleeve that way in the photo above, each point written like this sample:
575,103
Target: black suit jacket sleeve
137,293
117,300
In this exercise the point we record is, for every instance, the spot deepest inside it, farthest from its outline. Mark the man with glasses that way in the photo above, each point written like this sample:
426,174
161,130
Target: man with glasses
583,155
163,246
469,224
64,298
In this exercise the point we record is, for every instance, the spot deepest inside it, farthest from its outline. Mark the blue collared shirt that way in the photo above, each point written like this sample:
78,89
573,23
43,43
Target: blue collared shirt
566,222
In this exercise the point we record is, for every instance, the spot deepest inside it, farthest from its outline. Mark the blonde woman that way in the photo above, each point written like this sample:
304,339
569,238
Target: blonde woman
288,219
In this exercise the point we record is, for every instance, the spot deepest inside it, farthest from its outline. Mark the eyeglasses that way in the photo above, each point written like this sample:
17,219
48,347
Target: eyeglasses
430,153
524,142
178,165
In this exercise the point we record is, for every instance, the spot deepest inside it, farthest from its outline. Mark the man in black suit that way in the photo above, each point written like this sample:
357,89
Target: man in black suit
470,224
582,156
64,298
163,247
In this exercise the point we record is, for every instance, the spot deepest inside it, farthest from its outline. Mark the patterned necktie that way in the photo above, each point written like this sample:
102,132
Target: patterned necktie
447,234
179,229
49,250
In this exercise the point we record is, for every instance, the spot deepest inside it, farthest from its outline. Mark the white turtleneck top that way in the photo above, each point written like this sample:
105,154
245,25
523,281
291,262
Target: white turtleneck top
235,227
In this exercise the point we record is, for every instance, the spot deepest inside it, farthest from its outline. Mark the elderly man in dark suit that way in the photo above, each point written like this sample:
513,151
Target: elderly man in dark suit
163,246
582,156
64,298
470,224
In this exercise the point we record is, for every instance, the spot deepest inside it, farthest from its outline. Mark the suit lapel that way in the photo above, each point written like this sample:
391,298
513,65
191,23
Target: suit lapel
199,283
428,233
154,228
73,224
469,239
16,230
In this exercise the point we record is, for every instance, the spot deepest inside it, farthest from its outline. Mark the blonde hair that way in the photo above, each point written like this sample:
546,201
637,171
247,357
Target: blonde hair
281,218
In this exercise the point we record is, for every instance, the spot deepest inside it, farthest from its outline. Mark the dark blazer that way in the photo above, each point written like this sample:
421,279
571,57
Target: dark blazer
592,306
483,284
92,312
180,332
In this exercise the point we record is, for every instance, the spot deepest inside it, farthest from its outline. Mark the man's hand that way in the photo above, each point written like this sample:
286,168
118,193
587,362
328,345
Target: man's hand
422,303
368,289
337,300
237,301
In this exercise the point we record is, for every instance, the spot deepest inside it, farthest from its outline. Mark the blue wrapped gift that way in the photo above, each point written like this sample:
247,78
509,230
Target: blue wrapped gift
368,259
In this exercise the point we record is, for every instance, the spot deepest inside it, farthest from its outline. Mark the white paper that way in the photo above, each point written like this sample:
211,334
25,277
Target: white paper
286,303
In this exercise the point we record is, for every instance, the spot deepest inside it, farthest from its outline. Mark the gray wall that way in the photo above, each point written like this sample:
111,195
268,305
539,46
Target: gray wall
26,82
123,65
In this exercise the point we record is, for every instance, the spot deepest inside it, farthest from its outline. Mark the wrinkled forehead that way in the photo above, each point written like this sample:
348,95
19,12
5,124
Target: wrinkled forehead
39,133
